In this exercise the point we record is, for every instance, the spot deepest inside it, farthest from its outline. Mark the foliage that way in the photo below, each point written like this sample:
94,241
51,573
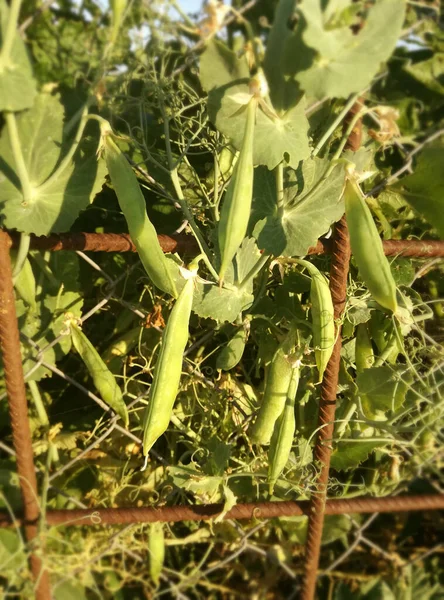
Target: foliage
172,90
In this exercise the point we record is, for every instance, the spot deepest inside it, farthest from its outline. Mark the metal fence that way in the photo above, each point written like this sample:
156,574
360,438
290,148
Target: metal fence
316,508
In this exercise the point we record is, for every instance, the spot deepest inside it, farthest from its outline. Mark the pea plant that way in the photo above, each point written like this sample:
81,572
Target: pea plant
247,132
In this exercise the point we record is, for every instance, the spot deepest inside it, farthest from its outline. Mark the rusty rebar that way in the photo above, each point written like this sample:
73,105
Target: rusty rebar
106,242
18,410
338,286
183,243
246,511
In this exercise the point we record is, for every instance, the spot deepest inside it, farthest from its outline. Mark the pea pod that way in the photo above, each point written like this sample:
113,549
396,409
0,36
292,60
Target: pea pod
132,204
231,354
364,355
278,380
236,208
102,377
367,249
322,315
156,547
168,369
283,434
123,345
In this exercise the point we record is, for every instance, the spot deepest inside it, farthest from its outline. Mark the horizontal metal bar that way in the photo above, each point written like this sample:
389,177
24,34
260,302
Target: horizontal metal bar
183,243
251,510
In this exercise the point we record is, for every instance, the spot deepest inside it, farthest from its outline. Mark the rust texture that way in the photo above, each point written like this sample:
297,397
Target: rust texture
355,138
185,244
327,405
107,242
18,410
253,510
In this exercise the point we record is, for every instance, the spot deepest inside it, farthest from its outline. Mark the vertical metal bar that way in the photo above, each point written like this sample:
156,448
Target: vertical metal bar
322,453
18,410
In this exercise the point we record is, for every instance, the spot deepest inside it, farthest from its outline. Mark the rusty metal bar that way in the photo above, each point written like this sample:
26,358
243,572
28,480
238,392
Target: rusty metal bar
106,242
327,406
18,410
182,243
247,511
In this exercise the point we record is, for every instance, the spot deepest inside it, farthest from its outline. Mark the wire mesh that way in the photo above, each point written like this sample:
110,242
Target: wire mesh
128,515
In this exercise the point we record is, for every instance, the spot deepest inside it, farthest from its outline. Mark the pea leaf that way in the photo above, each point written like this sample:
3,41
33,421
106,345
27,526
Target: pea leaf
283,92
225,304
311,204
382,389
220,66
327,59
226,78
349,455
335,528
17,84
58,194
429,72
423,189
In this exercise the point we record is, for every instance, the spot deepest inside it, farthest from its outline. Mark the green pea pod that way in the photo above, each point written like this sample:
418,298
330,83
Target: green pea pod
283,434
322,315
275,394
156,547
364,355
102,377
168,369
25,285
132,204
367,249
231,354
236,208
122,345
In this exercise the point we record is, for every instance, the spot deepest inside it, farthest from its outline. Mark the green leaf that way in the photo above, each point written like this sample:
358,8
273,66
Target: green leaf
429,72
12,551
225,304
283,92
274,139
218,456
335,528
17,84
221,304
423,189
349,455
327,59
226,78
312,202
58,194
70,590
382,389
220,66
358,311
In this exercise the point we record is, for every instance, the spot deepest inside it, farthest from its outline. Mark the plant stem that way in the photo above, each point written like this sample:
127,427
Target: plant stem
190,218
279,174
38,402
22,254
347,133
261,262
349,412
11,32
335,123
19,160
181,198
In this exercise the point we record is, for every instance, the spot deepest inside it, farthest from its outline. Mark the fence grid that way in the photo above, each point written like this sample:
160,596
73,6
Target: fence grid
315,508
